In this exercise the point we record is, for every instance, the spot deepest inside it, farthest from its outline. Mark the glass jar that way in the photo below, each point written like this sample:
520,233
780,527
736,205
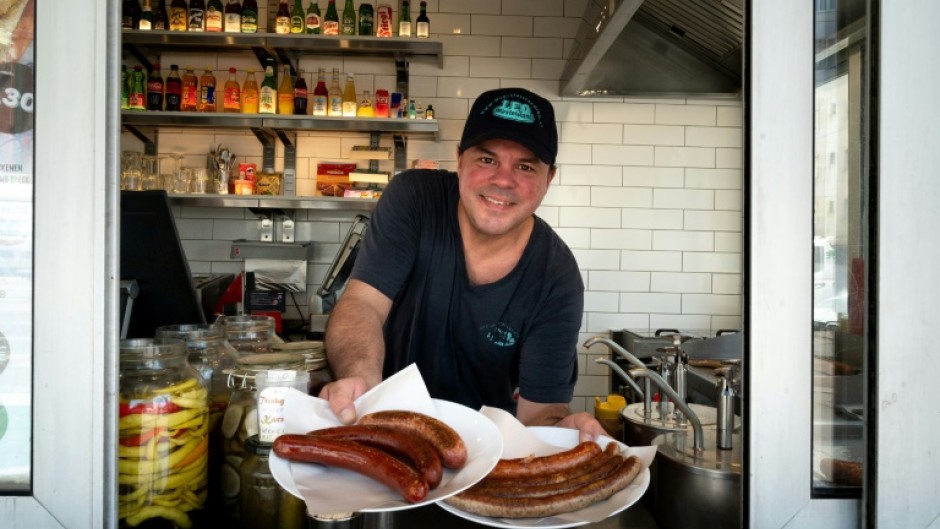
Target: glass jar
264,504
214,359
163,437
315,360
250,333
241,417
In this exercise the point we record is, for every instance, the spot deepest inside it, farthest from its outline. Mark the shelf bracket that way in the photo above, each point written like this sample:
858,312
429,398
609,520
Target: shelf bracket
374,138
283,58
141,58
401,153
289,181
263,56
267,152
401,76
150,145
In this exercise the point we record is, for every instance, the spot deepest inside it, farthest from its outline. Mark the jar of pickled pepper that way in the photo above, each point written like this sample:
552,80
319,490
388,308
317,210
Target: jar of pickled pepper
163,436
210,354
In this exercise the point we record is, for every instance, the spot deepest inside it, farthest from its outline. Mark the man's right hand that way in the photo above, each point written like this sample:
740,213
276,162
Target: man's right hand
341,394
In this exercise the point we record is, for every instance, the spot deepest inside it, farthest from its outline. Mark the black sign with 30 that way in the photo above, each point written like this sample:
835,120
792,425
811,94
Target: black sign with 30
16,98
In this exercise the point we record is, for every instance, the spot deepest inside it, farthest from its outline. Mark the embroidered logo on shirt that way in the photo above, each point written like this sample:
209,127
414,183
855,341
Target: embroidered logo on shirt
499,334
514,111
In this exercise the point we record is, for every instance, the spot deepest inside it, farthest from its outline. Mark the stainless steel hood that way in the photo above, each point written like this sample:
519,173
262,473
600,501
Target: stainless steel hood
657,48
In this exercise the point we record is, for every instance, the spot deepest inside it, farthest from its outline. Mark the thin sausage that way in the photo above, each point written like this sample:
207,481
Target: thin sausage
602,459
419,452
500,507
526,467
365,460
443,438
599,468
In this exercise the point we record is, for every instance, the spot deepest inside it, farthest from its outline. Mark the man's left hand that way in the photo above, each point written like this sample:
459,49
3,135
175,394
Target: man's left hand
588,427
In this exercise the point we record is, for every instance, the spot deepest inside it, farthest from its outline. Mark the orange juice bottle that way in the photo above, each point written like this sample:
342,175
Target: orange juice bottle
285,93
231,96
250,93
190,90
207,101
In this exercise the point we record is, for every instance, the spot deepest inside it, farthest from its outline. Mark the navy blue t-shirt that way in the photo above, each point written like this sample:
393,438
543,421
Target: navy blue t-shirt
473,344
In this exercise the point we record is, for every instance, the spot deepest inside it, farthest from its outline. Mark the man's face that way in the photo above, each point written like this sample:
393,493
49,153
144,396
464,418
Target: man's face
501,185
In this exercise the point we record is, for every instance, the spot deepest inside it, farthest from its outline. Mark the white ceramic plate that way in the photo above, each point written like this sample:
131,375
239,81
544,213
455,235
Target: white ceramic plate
565,438
333,487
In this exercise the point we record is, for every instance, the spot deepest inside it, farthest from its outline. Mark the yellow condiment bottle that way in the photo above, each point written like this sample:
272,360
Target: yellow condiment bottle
608,414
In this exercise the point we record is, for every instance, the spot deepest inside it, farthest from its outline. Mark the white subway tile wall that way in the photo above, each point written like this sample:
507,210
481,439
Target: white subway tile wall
648,193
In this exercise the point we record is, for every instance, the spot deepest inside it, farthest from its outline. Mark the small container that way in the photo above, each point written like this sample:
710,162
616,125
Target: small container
395,105
244,187
608,414
383,20
264,504
381,103
272,386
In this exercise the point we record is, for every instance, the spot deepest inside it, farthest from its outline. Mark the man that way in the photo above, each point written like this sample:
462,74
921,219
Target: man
457,275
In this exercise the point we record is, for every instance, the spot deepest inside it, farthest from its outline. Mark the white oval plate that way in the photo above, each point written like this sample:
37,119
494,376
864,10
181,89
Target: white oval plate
565,438
338,490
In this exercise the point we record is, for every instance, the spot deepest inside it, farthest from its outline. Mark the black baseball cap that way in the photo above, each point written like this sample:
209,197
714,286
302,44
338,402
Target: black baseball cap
514,114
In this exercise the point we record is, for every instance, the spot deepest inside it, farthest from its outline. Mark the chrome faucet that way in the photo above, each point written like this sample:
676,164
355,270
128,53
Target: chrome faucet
698,439
647,392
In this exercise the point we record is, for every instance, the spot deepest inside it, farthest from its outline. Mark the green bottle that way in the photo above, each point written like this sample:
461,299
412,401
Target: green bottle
331,20
366,19
297,19
267,98
348,26
313,18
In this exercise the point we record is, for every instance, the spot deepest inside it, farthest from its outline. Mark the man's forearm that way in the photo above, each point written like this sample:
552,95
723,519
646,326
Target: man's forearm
355,345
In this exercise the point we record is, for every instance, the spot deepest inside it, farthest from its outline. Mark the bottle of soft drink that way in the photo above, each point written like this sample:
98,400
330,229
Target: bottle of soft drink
174,89
207,91
300,94
381,103
214,16
178,15
155,89
231,96
190,90
320,95
282,18
313,18
335,107
365,109
350,103
233,17
250,16
285,93
297,19
330,23
267,96
348,24
250,94
197,15
135,97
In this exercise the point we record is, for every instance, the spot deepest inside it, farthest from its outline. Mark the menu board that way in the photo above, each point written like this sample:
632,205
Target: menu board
16,242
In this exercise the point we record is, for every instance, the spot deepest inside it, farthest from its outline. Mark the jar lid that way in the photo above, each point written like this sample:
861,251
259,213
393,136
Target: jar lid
262,361
305,346
609,409
254,445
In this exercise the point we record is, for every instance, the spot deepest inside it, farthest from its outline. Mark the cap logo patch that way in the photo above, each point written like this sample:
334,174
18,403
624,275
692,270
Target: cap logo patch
514,111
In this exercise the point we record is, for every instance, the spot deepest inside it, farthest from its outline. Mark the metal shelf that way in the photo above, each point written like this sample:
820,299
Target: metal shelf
274,202
278,122
293,44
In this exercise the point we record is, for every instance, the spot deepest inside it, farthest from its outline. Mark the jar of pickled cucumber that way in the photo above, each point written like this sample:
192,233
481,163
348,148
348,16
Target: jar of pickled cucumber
163,437
210,354
241,416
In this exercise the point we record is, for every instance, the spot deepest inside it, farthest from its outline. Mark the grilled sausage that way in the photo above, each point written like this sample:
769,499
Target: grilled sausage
357,457
501,507
443,438
527,467
419,452
555,483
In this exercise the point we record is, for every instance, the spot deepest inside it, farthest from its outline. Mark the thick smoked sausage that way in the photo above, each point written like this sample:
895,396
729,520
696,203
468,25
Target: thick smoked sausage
443,438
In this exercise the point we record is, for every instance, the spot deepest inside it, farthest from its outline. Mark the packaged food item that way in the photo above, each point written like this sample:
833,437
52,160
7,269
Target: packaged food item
383,20
244,187
333,178
268,183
